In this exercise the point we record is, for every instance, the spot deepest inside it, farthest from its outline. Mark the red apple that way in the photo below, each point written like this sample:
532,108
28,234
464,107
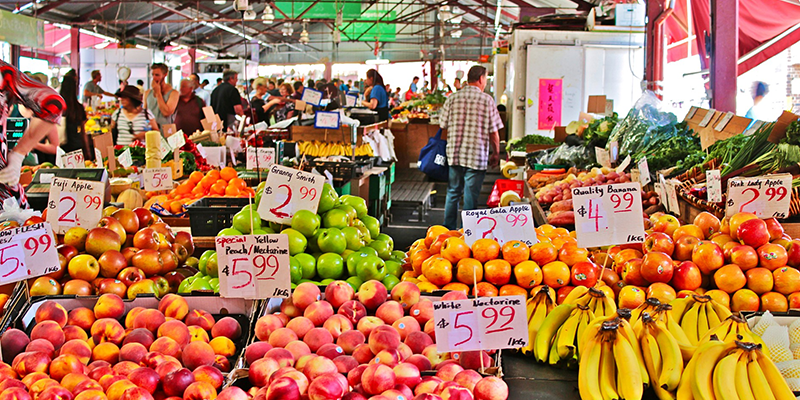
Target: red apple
774,228
169,261
111,285
687,276
793,253
144,217
111,263
753,233
165,230
744,256
657,267
658,241
174,279
146,239
181,252
113,224
185,239
128,219
148,260
99,240
162,284
67,251
684,246
708,256
130,275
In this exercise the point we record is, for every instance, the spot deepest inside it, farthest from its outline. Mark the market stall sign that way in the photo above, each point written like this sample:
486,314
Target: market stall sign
260,157
73,159
484,323
253,266
714,185
765,196
502,224
74,202
156,179
608,215
125,158
21,30
550,103
27,252
308,9
350,100
176,140
311,96
326,120
287,191
602,157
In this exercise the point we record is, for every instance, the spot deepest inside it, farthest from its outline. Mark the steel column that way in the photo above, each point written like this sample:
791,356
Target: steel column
75,49
724,54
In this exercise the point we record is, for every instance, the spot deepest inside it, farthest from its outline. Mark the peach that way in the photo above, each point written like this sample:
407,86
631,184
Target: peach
69,381
367,324
404,390
353,311
318,312
149,319
145,378
304,295
196,354
100,371
283,388
290,310
363,354
141,336
406,293
354,396
422,311
377,378
106,351
432,355
115,390
456,393
337,324
167,367
223,346
387,357
201,318
107,330
317,337
175,384
354,376
281,337
136,393
41,345
52,311
330,350
50,331
74,332
228,327
13,342
63,365
383,338
295,375
345,363
350,339
222,363
407,374
166,346
176,330
417,341
40,385
430,329
405,326
393,394
339,292
55,392
132,316
200,391
109,305
404,351
303,360
326,387
233,393
300,325
257,350
265,326
134,352
15,394
173,306
124,368
261,370
210,375
372,294
30,379
92,394
472,360
298,349
282,316
89,384
198,334
282,356
389,311
490,388
319,366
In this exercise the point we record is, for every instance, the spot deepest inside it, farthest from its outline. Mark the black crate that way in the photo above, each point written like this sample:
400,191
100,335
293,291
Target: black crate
341,171
210,215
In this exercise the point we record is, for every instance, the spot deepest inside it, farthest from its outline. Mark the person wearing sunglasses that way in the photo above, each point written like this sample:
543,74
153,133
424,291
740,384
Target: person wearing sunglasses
131,121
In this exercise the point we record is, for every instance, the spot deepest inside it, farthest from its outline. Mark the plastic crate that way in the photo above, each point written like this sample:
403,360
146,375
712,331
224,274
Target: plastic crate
210,215
341,171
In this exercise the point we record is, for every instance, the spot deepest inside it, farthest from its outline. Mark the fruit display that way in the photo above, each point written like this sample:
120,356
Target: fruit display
104,353
129,252
217,183
207,277
370,343
327,149
781,336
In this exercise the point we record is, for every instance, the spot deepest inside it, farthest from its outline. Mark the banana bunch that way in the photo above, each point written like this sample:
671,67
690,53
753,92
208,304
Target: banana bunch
662,357
600,303
609,367
557,339
697,315
731,371
650,306
324,149
538,307
732,329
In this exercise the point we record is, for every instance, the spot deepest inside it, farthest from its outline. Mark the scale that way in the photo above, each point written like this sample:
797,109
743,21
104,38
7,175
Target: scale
15,127
38,191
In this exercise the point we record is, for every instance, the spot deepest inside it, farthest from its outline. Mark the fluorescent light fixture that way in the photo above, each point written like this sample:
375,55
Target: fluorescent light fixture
98,35
377,61
219,1
102,45
140,47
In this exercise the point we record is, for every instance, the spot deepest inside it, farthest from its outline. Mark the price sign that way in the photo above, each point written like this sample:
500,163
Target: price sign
165,147
125,158
351,100
260,158
74,202
311,96
73,159
644,172
254,266
765,196
480,324
288,190
602,157
176,141
608,215
502,224
156,179
714,185
326,120
98,156
27,251
613,150
624,164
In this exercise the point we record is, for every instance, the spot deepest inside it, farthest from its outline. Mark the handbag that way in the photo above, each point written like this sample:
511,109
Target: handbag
433,158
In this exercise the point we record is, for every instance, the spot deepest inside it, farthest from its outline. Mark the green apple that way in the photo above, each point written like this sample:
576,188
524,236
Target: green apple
200,283
326,282
212,267
368,250
355,239
332,240
358,203
297,242
373,225
383,249
306,222
394,268
354,282
262,231
390,281
295,270
335,218
365,232
352,261
400,255
276,227
308,265
201,265
313,247
230,232
357,223
214,283
330,266
346,253
328,199
371,268
259,193
351,213
246,221
386,238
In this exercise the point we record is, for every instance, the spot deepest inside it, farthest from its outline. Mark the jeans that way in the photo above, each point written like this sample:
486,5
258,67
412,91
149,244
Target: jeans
461,178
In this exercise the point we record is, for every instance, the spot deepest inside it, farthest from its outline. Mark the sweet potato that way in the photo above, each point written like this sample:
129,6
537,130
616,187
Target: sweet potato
561,218
563,205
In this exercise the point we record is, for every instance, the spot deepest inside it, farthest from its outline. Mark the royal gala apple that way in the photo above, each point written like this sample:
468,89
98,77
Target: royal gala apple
684,247
128,219
657,267
744,256
753,233
735,221
687,276
708,256
793,253
146,238
708,223
658,241
667,224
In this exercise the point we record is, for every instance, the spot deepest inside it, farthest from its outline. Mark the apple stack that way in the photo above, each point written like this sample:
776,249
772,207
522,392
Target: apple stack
129,252
359,345
103,354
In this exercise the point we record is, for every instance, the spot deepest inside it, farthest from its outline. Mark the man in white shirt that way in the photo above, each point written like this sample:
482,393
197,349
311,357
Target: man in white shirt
199,91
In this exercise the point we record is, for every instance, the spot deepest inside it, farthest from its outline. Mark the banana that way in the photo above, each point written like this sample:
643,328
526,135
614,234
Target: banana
548,330
610,306
713,318
689,323
590,333
565,344
758,381
672,361
629,379
742,383
589,372
583,325
679,307
685,387
723,380
722,331
780,389
722,311
652,357
538,307
575,294
702,321
626,331
707,357
608,372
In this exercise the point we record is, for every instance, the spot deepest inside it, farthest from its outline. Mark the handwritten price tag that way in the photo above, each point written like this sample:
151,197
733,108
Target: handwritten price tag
765,196
644,172
27,251
73,159
176,141
125,158
288,190
260,158
714,185
74,202
254,266
326,120
613,151
480,324
351,100
608,215
311,96
602,157
156,179
502,224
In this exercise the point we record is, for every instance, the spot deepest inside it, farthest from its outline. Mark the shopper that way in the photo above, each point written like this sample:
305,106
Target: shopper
759,110
344,87
311,84
259,100
131,120
199,89
413,87
140,85
74,119
472,122
377,98
46,106
161,99
272,89
298,90
457,84
92,88
282,106
225,97
332,92
189,111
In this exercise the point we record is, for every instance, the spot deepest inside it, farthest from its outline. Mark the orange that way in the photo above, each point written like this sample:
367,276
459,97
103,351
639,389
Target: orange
759,280
497,272
439,271
512,290
456,286
465,268
195,177
484,250
515,252
528,274
555,274
485,289
560,232
787,280
729,278
433,233
744,300
543,253
184,188
631,297
719,296
198,190
176,207
454,249
228,173
222,181
231,190
207,182
218,189
774,302
238,182
213,174
665,293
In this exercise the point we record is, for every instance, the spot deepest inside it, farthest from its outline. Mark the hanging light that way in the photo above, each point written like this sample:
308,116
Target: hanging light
339,18
337,36
219,1
269,15
456,34
304,34
287,29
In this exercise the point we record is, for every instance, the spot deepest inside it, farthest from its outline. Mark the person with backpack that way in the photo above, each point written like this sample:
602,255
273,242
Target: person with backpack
189,111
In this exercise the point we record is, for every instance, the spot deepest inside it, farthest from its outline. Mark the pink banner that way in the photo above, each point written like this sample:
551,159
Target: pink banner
550,92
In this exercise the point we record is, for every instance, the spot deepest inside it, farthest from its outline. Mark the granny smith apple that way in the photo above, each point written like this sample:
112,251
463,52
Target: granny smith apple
201,265
336,218
368,250
332,240
295,270
328,199
390,281
230,232
352,261
365,234
297,242
259,193
394,268
276,227
306,222
200,283
351,213
400,255
371,268
358,203
354,282
326,282
247,220
308,265
355,239
373,225
383,249
262,231
313,247
212,267
386,238
330,266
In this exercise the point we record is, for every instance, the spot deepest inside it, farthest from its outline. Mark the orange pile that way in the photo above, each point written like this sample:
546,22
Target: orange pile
222,183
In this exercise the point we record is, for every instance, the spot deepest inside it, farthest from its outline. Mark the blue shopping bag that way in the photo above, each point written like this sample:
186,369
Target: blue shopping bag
433,158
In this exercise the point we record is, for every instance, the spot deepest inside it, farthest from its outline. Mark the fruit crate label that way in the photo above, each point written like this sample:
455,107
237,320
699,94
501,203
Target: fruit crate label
502,224
74,202
156,179
260,157
287,191
765,196
714,185
484,323
27,252
644,172
608,215
73,159
253,266
602,157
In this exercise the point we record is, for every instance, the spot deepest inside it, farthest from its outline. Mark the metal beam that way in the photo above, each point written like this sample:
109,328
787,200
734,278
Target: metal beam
157,19
376,22
493,7
306,10
47,7
98,10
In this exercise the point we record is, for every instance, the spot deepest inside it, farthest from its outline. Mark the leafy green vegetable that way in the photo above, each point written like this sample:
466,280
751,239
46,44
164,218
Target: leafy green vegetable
792,133
598,131
520,144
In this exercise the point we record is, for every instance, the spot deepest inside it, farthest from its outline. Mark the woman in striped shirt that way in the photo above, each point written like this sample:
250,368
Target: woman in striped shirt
131,120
